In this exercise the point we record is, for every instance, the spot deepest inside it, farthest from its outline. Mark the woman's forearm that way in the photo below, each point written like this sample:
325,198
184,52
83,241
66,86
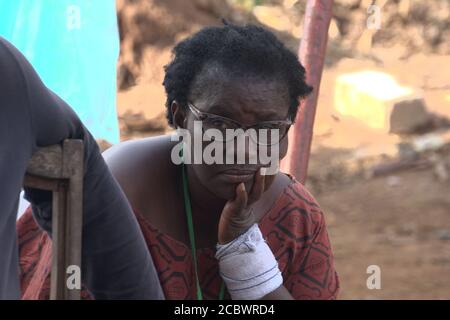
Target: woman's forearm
279,294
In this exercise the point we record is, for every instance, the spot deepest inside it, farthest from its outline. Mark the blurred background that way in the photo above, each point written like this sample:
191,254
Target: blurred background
380,161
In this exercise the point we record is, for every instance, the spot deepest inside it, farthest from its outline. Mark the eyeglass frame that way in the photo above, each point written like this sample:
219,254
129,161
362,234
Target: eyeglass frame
198,114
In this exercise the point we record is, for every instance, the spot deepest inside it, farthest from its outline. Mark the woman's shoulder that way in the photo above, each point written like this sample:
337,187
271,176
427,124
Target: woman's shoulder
296,214
300,195
295,194
129,154
135,164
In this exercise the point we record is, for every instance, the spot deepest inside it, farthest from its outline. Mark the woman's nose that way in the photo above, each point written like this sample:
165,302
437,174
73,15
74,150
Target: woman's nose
242,149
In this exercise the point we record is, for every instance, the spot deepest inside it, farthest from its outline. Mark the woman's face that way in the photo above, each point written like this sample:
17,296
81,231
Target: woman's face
247,100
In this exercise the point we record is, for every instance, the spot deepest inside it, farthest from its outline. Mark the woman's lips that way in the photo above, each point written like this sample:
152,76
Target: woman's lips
236,175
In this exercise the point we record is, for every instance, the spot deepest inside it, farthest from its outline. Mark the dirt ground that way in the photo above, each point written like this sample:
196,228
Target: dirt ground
399,221
403,227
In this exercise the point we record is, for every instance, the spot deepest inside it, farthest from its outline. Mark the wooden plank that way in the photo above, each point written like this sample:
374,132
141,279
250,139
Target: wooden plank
35,182
58,274
73,166
46,162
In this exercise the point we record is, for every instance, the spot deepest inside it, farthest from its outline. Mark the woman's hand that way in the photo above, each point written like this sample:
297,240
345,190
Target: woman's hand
237,215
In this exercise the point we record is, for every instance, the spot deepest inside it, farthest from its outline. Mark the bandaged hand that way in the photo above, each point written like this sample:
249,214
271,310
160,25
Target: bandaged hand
247,264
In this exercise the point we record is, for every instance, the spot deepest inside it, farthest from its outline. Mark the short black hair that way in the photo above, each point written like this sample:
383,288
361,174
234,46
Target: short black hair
246,50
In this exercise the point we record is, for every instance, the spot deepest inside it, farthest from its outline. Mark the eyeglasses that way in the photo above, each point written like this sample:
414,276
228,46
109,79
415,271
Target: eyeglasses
213,121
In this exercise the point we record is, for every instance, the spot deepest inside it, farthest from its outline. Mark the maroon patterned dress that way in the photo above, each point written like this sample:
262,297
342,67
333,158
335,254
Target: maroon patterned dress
294,228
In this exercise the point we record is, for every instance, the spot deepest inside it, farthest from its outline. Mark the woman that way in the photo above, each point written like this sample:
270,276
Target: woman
205,224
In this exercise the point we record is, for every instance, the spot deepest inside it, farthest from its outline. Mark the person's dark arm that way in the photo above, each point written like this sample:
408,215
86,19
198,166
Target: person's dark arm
16,147
116,262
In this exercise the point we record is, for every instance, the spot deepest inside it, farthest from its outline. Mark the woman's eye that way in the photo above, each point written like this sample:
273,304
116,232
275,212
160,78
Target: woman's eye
218,123
268,126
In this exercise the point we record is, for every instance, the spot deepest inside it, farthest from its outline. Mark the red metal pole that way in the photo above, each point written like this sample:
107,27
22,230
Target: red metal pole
312,50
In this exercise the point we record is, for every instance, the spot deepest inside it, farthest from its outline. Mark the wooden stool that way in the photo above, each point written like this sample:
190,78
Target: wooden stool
60,169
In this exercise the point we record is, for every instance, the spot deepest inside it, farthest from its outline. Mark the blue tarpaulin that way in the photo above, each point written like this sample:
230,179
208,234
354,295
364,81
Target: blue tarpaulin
74,46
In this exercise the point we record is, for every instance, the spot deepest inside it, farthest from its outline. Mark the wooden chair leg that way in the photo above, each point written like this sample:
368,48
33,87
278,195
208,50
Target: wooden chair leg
73,168
59,240
61,171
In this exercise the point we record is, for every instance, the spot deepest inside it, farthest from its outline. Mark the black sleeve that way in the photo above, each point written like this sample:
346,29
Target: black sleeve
116,262
16,147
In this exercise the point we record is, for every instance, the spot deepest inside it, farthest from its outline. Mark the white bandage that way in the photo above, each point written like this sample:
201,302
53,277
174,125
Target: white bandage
248,266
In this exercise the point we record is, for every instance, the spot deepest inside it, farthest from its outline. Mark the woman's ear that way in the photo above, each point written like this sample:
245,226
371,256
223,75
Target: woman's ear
284,145
178,115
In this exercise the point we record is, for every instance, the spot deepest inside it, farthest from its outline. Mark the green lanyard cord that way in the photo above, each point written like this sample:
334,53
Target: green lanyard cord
188,208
